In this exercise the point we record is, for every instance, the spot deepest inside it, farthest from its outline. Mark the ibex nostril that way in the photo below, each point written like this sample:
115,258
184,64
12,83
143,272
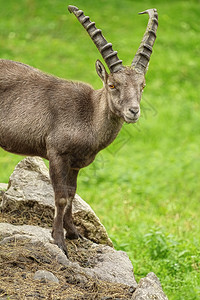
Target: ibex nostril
134,110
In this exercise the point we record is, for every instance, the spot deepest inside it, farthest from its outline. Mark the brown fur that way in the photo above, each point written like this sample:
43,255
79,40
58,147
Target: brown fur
66,122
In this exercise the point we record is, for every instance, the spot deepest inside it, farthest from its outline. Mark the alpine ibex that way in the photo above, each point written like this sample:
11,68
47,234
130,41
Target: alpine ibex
67,122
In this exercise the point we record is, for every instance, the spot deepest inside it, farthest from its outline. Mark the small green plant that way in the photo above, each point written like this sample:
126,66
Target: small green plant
171,254
157,244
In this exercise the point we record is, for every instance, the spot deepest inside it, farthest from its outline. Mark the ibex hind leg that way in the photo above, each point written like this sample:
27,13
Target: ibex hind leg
71,231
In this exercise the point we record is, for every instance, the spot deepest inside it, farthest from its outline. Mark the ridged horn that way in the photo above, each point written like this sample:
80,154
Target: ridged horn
109,55
142,57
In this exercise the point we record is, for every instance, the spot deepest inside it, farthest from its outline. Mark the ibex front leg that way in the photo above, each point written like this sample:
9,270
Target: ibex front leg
71,231
64,185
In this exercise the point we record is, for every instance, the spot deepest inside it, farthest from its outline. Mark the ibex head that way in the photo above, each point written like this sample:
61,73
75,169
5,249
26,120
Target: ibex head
124,85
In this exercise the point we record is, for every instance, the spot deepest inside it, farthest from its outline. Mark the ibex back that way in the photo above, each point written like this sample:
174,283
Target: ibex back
67,122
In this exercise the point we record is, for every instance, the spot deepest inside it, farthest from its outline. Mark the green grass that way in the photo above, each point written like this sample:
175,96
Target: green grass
145,186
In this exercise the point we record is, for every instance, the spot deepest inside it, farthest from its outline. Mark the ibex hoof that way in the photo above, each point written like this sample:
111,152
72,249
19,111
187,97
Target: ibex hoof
60,242
63,248
73,235
71,232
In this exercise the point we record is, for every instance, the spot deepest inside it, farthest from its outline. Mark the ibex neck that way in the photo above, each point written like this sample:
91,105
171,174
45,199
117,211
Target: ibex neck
106,123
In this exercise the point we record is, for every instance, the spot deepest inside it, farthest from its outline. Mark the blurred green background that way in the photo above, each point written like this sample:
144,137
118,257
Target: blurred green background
145,186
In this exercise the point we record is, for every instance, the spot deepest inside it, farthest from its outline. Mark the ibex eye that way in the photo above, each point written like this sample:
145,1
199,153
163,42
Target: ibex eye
111,86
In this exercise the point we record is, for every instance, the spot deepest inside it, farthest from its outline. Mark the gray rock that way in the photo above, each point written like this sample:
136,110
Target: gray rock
30,188
113,265
3,186
45,276
108,265
149,288
33,233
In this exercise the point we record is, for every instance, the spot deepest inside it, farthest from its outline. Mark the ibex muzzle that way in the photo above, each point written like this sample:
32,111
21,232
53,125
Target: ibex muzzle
67,122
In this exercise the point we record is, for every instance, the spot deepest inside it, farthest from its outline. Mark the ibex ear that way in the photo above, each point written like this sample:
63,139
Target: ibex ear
101,71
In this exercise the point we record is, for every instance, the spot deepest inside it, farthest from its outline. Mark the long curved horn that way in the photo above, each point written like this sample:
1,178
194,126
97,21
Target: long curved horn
142,57
109,55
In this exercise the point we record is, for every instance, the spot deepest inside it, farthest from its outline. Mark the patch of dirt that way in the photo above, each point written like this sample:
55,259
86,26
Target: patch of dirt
19,261
29,215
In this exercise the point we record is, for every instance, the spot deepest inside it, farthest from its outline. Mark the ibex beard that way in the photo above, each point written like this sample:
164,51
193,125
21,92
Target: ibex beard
67,122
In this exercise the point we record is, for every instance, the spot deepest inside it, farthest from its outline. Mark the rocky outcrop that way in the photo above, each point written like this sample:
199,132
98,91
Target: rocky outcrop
91,260
30,189
101,258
